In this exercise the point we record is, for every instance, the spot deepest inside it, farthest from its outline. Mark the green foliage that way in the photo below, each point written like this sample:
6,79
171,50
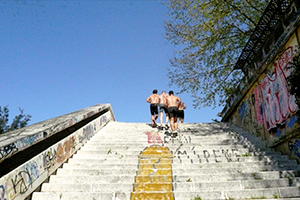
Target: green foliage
294,80
196,198
210,36
109,151
246,155
19,121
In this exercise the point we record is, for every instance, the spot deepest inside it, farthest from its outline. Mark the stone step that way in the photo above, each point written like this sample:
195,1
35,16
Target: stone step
168,141
139,137
124,171
171,145
144,134
207,153
276,193
189,165
239,152
182,161
229,185
206,161
266,175
165,186
282,165
175,161
288,193
96,172
128,146
205,157
186,147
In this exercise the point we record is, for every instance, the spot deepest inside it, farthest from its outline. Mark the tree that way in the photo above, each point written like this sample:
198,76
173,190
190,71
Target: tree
210,35
19,121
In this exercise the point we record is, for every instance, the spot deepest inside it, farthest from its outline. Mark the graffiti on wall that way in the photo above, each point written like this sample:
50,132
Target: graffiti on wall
248,115
24,143
21,181
294,147
14,147
270,107
277,103
61,152
8,150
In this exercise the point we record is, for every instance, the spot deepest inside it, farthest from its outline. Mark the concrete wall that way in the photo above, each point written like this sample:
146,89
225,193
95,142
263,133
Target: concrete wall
23,180
18,140
267,109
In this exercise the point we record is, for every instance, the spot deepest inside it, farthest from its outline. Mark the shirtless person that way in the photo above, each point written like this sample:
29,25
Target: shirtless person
173,103
163,108
153,99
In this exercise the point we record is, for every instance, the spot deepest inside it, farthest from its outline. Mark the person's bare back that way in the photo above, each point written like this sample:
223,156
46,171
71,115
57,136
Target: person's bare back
163,98
153,99
173,101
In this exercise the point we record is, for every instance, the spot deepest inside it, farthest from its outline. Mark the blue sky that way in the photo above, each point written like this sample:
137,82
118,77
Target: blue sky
61,56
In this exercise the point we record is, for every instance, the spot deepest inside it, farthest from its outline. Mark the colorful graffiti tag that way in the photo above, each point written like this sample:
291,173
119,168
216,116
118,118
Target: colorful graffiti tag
22,181
294,147
10,149
153,137
270,107
277,102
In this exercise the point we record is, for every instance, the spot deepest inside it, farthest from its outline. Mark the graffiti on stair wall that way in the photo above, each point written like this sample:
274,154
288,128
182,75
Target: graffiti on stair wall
268,108
24,179
24,143
2,192
8,150
14,147
278,104
20,181
60,153
294,147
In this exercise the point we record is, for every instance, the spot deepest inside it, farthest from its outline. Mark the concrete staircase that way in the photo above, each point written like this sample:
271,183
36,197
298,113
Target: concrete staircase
206,161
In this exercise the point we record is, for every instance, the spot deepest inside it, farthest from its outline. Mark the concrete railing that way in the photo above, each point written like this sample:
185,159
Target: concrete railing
30,155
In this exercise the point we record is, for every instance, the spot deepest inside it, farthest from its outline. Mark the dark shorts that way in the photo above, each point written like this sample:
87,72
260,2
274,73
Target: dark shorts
153,109
173,112
181,114
163,108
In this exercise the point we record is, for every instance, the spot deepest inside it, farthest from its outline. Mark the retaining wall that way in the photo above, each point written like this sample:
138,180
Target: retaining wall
265,107
24,179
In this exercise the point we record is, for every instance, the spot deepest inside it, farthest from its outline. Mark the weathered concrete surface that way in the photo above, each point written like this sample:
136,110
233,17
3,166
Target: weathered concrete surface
209,161
73,132
18,140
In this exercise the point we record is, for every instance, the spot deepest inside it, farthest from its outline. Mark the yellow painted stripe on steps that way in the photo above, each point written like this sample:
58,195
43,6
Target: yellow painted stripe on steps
154,176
